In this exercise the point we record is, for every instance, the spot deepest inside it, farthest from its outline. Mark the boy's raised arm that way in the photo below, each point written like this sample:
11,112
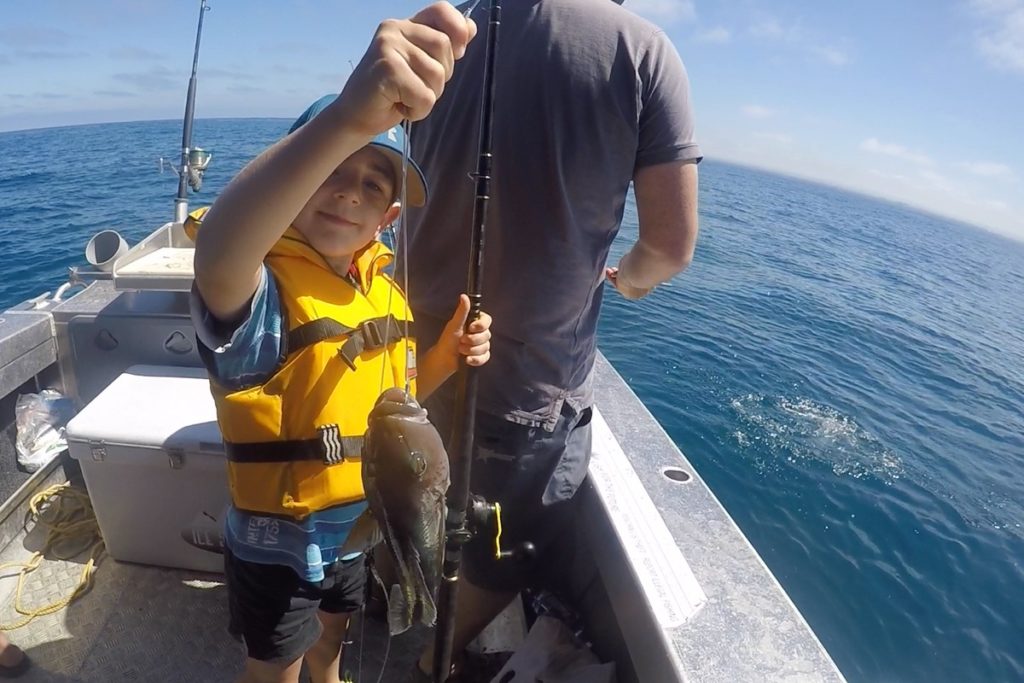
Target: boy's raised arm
401,75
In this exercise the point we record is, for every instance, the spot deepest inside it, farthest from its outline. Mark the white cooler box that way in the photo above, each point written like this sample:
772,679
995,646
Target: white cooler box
153,461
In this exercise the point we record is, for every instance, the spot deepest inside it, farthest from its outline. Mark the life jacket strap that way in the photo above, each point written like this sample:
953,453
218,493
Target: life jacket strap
369,335
329,446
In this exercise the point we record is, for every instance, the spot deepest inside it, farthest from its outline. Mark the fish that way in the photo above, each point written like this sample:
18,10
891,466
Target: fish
405,475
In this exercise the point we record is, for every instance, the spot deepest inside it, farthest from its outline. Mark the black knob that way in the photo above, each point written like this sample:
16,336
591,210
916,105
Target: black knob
525,552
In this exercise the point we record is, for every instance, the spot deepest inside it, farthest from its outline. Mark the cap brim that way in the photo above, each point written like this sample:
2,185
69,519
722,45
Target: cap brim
416,193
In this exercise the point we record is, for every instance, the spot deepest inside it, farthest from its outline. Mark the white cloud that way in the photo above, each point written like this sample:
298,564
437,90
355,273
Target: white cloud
832,55
1000,40
664,10
987,169
767,28
938,181
757,111
136,54
31,37
953,193
899,151
994,5
796,36
887,175
780,138
716,35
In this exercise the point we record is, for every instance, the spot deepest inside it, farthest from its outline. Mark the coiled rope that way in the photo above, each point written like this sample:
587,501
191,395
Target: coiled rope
71,529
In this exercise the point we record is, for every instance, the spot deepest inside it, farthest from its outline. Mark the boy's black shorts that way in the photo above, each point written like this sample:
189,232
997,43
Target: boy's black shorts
274,611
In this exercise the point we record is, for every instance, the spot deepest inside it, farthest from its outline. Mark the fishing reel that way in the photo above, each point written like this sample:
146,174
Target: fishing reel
482,517
198,160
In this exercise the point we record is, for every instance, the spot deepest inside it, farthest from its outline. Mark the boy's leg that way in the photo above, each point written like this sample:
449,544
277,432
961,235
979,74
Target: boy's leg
267,672
275,614
343,591
324,658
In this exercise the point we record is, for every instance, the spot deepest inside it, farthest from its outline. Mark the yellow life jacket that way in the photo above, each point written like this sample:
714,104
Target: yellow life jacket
294,443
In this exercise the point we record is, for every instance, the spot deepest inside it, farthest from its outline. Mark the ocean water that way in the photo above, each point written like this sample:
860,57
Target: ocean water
846,374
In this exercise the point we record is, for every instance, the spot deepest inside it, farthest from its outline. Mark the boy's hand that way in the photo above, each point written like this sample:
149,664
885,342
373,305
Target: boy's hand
625,289
405,68
475,343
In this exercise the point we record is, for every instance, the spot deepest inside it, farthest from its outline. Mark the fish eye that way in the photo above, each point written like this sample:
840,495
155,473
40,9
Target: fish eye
418,462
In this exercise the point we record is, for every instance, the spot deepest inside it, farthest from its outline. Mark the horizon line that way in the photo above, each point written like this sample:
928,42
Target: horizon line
1016,237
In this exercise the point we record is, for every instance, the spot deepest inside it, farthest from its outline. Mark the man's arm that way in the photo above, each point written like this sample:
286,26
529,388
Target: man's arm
666,202
401,76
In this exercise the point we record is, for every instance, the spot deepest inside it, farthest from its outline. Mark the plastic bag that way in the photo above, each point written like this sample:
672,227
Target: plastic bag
40,422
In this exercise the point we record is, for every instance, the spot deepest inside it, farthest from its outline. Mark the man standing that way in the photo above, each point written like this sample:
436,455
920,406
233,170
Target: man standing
588,98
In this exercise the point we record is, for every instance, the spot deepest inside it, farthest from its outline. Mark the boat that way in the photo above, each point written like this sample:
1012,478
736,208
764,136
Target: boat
664,585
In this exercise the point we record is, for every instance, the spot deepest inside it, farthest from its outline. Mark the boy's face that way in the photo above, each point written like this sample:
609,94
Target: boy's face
349,209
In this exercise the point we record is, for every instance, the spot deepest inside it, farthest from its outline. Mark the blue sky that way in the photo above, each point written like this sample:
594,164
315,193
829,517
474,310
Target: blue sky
919,101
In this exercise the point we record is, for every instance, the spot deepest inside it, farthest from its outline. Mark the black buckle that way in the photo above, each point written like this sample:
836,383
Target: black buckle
373,335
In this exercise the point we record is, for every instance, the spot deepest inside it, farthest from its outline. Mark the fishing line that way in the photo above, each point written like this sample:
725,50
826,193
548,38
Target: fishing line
362,640
403,242
400,246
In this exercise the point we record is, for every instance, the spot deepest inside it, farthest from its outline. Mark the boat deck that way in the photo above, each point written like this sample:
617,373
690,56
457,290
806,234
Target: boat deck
142,623
666,584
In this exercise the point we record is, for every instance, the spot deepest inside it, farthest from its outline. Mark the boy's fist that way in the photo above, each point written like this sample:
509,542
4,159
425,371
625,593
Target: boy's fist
405,68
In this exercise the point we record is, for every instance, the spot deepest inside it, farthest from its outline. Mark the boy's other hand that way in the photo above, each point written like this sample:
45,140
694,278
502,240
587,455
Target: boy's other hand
405,69
473,343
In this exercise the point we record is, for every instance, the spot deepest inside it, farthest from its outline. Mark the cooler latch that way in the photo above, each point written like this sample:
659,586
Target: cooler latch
176,458
98,450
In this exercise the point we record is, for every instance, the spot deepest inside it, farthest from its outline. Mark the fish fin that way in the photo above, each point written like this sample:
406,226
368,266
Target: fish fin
423,608
428,609
401,602
428,614
387,533
365,534
398,611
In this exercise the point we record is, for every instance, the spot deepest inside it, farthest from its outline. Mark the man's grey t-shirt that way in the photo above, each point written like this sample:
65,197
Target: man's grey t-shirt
585,94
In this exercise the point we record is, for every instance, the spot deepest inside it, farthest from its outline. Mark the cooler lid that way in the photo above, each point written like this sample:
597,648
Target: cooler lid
152,405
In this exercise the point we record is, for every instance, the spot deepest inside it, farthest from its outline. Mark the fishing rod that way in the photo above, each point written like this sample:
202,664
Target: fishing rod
193,161
456,531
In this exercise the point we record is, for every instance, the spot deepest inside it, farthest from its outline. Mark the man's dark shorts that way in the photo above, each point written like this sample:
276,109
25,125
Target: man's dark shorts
274,611
534,474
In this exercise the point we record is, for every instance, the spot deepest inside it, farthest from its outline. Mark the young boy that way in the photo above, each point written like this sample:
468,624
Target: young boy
301,331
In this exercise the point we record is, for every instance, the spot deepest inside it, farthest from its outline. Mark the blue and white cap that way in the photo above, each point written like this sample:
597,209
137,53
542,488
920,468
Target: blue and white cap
390,143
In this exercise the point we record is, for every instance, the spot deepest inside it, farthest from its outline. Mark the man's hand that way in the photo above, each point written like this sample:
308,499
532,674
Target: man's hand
405,69
625,289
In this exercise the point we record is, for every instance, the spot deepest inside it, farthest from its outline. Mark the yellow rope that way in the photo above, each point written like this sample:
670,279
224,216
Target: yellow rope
66,514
